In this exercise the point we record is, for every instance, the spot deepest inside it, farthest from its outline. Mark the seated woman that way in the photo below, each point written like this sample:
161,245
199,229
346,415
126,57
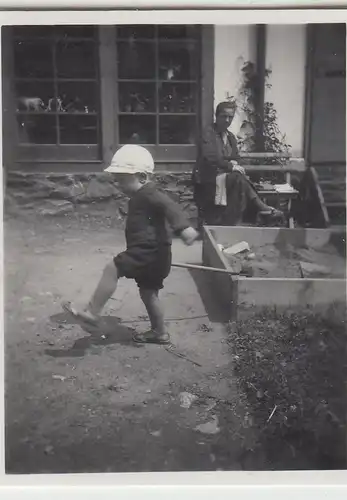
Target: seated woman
222,192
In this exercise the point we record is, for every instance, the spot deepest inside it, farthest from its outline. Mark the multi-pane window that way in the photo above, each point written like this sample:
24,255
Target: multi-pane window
158,84
56,85
146,79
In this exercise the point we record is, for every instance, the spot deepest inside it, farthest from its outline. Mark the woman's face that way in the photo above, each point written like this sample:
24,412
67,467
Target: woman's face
224,119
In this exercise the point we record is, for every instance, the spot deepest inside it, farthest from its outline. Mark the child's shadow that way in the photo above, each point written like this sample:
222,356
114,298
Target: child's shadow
110,331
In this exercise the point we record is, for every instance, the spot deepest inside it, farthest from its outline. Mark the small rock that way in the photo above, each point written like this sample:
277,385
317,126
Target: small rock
155,433
56,207
49,450
25,298
59,377
210,427
187,399
148,391
240,247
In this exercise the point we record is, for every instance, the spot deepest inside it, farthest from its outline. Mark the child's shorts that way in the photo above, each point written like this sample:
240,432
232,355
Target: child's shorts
147,266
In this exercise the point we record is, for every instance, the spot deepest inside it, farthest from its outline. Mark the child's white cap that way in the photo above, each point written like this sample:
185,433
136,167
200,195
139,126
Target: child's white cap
131,159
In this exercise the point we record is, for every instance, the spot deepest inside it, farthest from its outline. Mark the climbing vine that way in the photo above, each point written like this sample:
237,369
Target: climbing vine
274,141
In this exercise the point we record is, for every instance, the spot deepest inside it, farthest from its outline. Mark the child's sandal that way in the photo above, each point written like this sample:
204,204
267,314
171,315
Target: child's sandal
151,337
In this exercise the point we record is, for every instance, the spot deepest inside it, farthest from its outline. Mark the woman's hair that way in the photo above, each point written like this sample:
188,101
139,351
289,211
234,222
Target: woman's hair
225,105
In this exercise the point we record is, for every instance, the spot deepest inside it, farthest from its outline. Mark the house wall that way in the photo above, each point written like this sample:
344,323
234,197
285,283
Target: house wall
286,56
233,46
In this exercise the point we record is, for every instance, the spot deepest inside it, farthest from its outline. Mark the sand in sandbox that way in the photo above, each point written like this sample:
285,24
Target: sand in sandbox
285,262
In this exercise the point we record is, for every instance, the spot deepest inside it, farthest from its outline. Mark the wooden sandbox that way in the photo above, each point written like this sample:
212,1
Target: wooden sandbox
241,294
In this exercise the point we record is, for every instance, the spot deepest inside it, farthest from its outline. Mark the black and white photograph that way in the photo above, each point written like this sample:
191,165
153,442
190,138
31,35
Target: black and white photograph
174,246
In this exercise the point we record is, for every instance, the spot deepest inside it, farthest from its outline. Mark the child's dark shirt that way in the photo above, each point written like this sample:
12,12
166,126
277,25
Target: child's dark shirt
150,214
147,258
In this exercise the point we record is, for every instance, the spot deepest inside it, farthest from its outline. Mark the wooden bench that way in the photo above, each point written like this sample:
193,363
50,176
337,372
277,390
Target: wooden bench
290,167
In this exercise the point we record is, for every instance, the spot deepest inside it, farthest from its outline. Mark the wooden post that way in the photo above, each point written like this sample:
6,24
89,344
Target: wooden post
108,69
260,88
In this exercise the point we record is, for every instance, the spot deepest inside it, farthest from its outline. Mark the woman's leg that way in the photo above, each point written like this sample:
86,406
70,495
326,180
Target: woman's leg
237,198
241,195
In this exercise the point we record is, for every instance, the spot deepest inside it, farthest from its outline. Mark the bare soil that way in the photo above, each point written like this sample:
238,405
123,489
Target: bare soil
82,401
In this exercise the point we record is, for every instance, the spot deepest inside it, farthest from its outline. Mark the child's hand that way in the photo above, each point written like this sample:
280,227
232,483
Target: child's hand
189,235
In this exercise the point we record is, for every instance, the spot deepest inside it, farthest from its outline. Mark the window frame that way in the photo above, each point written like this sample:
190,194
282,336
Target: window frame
164,152
175,159
30,152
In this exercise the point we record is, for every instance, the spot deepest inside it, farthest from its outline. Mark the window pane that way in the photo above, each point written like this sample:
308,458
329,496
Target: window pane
32,31
78,97
75,31
178,31
177,129
177,98
34,96
178,61
37,129
33,59
75,59
136,31
137,97
78,129
136,60
137,129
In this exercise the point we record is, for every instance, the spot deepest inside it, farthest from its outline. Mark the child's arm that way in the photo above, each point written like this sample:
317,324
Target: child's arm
175,217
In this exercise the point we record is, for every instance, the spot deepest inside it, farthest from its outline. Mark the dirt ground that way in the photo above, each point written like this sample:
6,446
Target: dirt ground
81,402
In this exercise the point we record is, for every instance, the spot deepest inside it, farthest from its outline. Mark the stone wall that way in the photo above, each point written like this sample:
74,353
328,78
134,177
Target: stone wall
59,194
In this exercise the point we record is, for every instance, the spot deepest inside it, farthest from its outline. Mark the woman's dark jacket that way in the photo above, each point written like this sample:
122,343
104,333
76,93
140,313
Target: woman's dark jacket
213,159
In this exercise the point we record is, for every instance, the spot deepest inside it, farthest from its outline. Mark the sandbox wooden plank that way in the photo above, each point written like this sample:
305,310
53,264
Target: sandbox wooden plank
224,285
259,236
281,292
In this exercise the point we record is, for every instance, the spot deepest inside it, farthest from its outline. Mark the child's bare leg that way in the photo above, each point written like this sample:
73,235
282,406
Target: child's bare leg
103,292
105,289
150,298
158,332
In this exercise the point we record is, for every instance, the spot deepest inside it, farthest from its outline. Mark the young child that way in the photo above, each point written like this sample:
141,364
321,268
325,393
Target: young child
147,258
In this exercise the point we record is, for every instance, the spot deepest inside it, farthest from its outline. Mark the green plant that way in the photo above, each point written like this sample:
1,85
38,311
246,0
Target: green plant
254,123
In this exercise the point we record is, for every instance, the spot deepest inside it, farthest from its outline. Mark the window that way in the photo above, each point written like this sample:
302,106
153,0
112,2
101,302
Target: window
56,85
158,69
